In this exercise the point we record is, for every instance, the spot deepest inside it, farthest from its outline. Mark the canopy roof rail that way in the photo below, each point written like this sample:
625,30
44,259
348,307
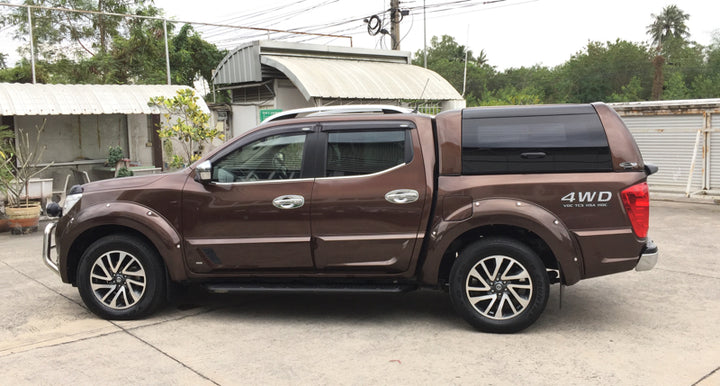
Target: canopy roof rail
335,110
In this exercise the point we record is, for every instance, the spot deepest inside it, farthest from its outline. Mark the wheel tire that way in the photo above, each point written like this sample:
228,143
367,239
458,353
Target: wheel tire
121,277
499,285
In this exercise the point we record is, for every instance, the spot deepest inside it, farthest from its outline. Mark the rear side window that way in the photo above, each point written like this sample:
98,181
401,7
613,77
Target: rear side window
352,153
534,144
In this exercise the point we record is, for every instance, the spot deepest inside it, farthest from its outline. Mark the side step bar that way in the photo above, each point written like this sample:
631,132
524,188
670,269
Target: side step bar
299,288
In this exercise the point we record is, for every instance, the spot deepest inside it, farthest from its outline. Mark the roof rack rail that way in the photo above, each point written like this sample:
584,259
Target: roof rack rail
334,110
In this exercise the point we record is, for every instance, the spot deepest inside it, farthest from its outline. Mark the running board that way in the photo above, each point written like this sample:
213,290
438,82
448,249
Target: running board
221,288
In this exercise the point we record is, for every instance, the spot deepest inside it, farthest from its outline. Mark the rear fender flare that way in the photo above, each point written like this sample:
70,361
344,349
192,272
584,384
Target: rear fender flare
516,213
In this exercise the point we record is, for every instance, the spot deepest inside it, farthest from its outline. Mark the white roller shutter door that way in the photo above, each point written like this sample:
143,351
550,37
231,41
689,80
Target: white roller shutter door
668,141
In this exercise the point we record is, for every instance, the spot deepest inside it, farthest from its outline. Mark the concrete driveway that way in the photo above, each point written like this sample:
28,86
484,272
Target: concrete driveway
660,327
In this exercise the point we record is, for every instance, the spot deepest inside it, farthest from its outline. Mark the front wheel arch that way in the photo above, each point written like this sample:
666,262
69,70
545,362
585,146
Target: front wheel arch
84,241
120,277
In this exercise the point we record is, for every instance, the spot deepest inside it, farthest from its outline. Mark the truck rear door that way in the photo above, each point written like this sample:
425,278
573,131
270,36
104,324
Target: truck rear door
369,199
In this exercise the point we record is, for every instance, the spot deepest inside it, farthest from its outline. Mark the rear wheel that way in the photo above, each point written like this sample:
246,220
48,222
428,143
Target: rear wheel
121,277
499,285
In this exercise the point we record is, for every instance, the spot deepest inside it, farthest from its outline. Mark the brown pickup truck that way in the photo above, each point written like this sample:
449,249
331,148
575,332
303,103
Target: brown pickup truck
491,204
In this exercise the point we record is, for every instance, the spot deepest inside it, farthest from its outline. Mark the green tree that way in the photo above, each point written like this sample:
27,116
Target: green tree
192,57
668,31
536,80
631,92
602,70
447,58
52,30
705,86
509,95
675,88
187,124
668,25
129,50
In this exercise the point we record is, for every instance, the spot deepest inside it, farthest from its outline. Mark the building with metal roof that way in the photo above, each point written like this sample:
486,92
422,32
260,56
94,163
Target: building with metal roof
21,99
268,76
81,122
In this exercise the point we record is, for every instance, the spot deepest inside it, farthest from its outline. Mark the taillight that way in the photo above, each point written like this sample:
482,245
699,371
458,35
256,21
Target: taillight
636,200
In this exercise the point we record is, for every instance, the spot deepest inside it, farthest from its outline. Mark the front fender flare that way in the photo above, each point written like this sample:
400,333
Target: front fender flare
509,212
155,227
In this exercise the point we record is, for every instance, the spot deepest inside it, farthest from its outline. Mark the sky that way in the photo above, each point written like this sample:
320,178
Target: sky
513,33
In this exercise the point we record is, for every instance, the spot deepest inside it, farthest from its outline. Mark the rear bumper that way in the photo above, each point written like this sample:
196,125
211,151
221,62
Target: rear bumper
649,257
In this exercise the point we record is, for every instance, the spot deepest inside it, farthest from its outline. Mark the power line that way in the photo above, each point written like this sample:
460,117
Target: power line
125,15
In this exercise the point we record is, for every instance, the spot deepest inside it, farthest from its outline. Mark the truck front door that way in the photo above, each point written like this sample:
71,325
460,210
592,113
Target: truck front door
255,214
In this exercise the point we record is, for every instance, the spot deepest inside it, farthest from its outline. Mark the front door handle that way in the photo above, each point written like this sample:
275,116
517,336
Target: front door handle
402,196
290,201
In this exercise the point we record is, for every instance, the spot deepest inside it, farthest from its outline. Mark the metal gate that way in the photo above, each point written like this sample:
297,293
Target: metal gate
669,141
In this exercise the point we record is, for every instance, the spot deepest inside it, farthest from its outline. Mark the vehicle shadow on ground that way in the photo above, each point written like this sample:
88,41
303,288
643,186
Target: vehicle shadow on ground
424,306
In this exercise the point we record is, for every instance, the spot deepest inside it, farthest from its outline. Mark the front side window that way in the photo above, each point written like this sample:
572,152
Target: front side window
352,153
277,157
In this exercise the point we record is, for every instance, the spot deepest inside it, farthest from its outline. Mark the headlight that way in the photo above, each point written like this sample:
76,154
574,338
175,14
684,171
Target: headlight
70,201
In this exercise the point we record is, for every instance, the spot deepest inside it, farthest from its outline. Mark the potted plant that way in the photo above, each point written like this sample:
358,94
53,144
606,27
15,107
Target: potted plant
18,167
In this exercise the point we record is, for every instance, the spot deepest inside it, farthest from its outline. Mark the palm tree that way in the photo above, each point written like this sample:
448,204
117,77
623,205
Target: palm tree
667,26
670,24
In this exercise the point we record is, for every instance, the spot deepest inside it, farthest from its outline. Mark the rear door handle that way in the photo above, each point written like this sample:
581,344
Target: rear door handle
402,196
290,201
533,155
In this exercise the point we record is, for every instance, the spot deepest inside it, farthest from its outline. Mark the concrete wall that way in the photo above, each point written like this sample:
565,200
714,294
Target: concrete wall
79,143
140,142
77,137
288,97
244,118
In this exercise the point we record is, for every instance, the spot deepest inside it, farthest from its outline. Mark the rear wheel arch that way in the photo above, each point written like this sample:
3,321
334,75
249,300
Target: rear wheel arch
522,235
499,284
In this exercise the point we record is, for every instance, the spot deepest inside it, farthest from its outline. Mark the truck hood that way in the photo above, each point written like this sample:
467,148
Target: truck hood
129,182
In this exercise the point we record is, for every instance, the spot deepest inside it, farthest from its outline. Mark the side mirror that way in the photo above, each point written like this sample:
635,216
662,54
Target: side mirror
53,209
203,172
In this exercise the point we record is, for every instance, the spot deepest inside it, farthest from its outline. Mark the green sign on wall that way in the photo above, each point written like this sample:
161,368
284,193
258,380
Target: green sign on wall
268,112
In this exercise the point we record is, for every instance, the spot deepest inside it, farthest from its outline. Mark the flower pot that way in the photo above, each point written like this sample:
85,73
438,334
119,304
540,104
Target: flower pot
23,219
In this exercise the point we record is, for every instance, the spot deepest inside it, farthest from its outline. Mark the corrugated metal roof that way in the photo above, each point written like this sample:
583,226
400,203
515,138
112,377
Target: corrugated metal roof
680,104
357,79
82,99
242,65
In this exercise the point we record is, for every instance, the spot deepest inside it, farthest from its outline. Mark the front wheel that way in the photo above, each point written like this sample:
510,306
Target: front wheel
499,285
121,277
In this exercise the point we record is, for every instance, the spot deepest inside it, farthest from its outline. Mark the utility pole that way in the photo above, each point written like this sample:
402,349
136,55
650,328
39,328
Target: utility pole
395,18
424,36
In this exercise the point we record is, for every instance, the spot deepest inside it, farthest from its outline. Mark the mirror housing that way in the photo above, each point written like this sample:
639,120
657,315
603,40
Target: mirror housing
53,209
203,172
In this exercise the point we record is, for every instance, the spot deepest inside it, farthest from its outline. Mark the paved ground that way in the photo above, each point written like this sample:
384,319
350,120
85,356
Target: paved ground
651,328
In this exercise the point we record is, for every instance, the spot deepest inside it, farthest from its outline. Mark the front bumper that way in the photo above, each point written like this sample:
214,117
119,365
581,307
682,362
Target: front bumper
49,247
649,257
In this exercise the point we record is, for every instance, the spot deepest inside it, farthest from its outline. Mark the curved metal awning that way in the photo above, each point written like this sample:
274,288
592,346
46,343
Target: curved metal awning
360,79
82,99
